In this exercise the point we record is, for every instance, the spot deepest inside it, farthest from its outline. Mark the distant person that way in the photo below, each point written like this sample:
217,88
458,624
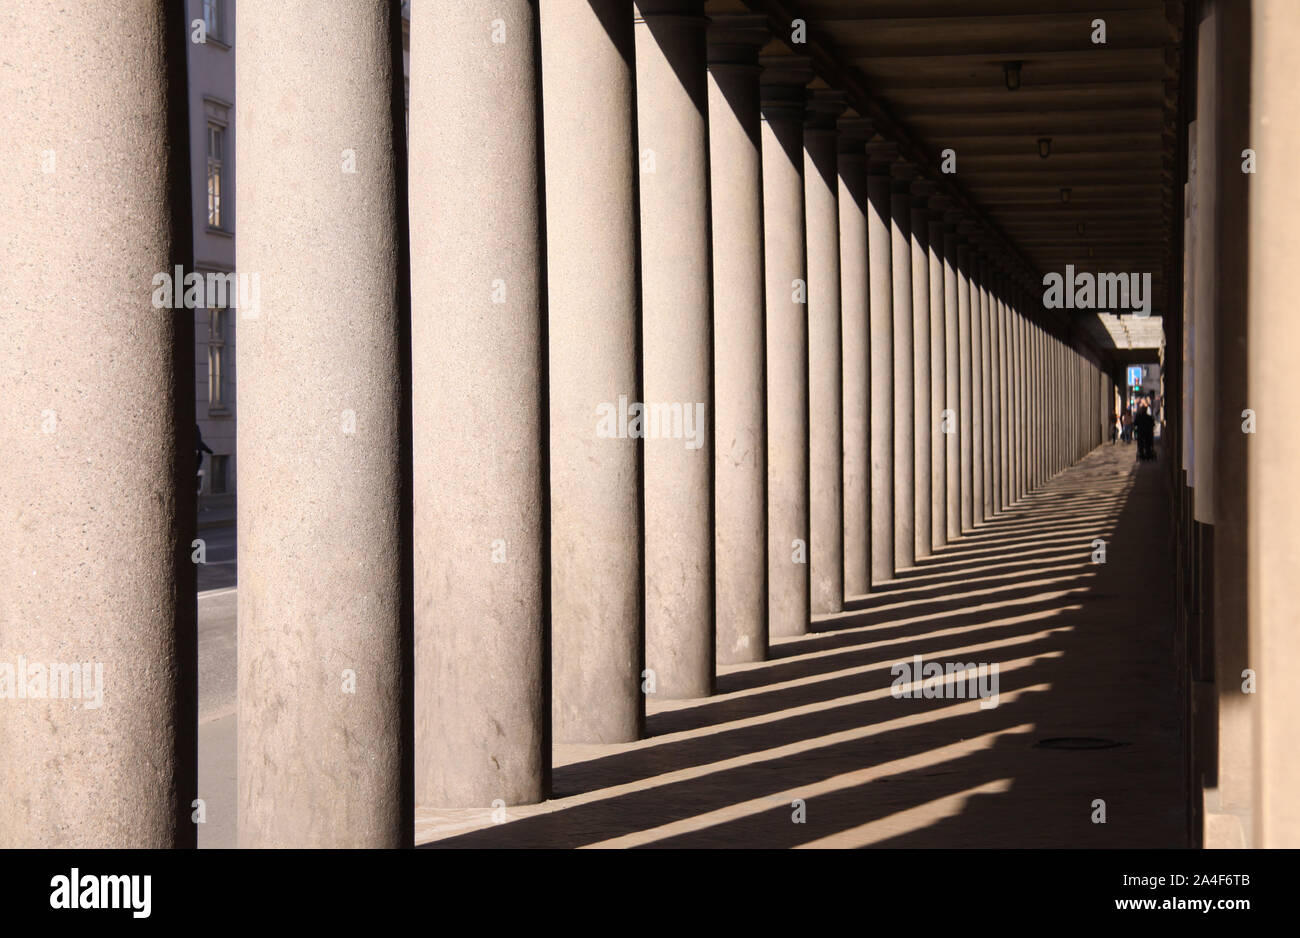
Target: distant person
1144,428
1114,427
1126,423
199,449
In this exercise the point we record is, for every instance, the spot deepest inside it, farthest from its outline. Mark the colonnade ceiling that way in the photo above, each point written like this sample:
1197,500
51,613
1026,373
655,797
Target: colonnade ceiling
937,75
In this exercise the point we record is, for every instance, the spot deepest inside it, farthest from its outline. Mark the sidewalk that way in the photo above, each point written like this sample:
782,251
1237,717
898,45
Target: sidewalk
217,511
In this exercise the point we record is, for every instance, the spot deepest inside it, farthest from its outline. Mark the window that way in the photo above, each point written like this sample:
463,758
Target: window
216,174
217,359
219,466
214,19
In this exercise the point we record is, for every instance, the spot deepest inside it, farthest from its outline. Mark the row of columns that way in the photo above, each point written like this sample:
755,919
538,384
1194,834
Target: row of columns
850,379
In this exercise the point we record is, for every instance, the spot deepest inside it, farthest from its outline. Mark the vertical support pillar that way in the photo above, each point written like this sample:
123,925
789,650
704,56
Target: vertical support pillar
984,502
995,388
904,363
96,477
1019,331
592,275
825,381
938,378
739,353
1005,457
880,270
787,345
966,413
977,384
1228,812
482,712
1273,341
950,424
325,379
1041,401
1015,391
856,316
920,263
676,337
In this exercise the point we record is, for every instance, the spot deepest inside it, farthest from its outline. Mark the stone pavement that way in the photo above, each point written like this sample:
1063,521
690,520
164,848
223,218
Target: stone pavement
1084,650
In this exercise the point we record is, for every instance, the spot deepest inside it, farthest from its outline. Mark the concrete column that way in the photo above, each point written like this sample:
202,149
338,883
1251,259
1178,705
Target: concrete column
1063,408
1048,415
676,334
978,373
938,380
965,415
324,751
1005,458
739,354
1026,403
787,345
1046,401
1053,414
1028,396
1054,382
1015,375
597,635
1273,343
920,264
984,501
1051,419
1078,406
96,471
1204,265
979,385
1228,808
1054,409
1041,403
1063,403
481,714
904,363
1070,402
856,315
825,376
950,424
1030,405
1058,368
1029,412
1087,400
995,387
880,270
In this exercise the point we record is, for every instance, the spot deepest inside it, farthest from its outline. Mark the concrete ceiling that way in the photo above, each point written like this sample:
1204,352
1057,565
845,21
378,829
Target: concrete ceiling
934,72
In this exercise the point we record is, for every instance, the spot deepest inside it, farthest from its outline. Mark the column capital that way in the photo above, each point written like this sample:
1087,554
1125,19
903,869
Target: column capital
824,107
922,190
904,175
855,131
881,155
734,39
783,85
690,10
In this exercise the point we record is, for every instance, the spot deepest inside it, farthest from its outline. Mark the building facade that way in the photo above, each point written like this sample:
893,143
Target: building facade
210,71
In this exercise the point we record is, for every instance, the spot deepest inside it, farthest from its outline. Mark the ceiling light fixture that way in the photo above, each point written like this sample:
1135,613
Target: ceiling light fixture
1065,194
1011,72
1044,147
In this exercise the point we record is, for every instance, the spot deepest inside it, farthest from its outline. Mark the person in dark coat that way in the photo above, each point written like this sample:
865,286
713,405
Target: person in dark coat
1144,428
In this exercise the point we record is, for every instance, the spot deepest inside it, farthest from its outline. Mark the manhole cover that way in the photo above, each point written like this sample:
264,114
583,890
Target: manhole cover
1077,742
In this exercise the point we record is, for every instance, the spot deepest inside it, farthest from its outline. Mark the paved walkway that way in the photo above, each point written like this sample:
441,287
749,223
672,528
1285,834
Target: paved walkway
1084,650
